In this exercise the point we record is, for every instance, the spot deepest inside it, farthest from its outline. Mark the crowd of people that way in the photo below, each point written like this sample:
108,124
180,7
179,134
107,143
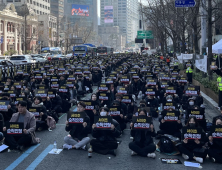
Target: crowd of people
131,88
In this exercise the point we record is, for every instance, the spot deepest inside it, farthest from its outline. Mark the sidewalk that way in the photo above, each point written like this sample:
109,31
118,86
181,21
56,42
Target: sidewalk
212,105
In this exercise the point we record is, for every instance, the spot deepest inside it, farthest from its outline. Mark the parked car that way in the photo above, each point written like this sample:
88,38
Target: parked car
69,55
59,57
4,57
21,59
45,55
38,58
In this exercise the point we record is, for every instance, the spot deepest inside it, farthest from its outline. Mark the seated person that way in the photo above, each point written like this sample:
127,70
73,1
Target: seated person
121,118
28,137
143,142
220,116
78,135
41,122
193,149
215,150
171,127
105,142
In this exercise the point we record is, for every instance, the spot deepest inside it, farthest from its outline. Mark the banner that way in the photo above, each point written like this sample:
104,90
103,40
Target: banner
103,122
14,128
141,122
185,57
76,118
201,64
108,14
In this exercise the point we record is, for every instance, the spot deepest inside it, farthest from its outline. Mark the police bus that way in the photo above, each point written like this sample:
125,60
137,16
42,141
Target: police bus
82,50
104,50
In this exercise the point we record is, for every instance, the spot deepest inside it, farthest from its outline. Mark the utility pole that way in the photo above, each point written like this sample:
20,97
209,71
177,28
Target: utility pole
209,36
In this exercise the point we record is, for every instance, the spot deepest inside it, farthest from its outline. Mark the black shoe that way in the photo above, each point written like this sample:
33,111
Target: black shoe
21,148
112,152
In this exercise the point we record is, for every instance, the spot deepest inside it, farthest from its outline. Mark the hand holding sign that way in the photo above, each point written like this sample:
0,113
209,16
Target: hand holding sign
185,140
93,126
197,141
24,131
211,139
84,124
112,127
9,106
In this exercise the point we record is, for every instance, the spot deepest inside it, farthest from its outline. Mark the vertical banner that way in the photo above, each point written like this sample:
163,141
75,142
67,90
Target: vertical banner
108,14
201,64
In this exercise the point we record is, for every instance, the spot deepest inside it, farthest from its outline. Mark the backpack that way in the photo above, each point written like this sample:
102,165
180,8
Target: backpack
166,145
51,123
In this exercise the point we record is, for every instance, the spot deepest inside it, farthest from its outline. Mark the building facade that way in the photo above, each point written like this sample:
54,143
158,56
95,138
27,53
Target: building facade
13,32
122,13
112,37
40,7
47,30
82,12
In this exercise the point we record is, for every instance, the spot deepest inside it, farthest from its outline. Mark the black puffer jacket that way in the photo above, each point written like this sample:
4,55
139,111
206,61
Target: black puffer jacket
107,135
79,131
143,137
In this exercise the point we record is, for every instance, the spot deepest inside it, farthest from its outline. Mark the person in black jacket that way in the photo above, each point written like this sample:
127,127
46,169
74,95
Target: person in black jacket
11,107
215,150
171,128
143,142
41,122
56,103
78,135
105,142
193,149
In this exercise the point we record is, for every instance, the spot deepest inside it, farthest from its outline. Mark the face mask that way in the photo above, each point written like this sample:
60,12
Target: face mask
191,103
142,105
169,100
192,124
102,113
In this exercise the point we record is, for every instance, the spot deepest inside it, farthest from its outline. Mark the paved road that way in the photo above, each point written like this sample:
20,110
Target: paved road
40,159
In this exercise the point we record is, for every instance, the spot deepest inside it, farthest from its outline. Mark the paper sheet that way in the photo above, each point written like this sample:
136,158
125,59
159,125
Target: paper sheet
3,147
191,164
55,151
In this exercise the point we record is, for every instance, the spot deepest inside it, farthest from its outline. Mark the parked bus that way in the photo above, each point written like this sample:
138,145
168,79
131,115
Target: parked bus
82,50
104,50
51,51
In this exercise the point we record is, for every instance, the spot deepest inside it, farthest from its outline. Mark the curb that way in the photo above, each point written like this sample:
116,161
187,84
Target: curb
212,104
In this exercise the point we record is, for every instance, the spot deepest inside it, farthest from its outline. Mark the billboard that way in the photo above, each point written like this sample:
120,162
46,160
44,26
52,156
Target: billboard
80,10
108,11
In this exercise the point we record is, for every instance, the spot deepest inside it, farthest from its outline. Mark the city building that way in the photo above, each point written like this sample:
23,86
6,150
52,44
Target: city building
122,13
47,30
14,35
112,37
40,7
82,12
57,8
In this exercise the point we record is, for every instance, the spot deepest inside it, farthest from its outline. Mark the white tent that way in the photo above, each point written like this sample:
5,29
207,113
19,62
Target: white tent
217,48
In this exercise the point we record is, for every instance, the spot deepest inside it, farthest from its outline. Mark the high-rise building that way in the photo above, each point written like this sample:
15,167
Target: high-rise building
122,13
40,7
57,8
83,12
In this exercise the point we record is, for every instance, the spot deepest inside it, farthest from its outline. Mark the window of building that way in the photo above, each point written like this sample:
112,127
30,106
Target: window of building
30,1
34,2
17,0
37,4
